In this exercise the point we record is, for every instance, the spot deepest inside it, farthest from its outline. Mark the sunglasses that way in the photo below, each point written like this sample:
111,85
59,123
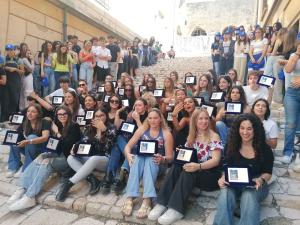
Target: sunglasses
62,114
81,85
114,101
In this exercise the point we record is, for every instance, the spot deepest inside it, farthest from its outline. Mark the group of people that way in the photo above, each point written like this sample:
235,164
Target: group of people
137,134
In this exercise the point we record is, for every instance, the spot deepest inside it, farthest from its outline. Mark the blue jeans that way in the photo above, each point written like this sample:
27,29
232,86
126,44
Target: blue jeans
216,66
30,152
144,168
292,117
86,73
49,73
58,75
222,130
115,157
249,203
75,76
37,80
34,178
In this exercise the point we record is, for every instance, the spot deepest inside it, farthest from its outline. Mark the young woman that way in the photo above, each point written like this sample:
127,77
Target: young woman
90,103
72,102
14,69
215,52
169,94
241,50
204,87
46,68
101,135
38,172
87,65
136,117
248,147
180,180
258,51
232,73
35,131
174,77
26,80
261,109
226,52
62,64
224,121
147,168
129,94
190,88
224,84
74,55
134,64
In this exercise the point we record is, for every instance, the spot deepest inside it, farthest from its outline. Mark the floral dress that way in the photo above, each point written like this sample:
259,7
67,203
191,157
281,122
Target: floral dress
204,151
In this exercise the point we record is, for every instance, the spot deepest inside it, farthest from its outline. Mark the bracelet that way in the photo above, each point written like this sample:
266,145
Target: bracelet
200,166
30,141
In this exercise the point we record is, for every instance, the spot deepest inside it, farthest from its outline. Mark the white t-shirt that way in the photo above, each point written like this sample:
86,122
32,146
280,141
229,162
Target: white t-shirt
258,45
101,51
60,92
252,95
271,129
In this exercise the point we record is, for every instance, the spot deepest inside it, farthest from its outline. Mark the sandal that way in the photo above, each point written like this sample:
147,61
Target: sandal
127,208
143,211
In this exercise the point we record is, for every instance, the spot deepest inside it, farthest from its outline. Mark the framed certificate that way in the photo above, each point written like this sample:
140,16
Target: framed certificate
80,120
106,98
158,93
57,100
190,80
52,144
238,176
147,147
265,80
89,115
128,127
234,107
11,138
185,155
217,96
114,83
83,149
170,117
142,88
17,119
100,89
210,109
121,91
200,100
125,102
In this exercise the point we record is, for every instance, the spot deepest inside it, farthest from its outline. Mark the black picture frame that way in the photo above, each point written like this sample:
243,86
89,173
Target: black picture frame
147,147
170,116
200,100
52,144
234,107
17,119
125,102
266,81
217,96
190,80
114,83
57,100
11,137
80,120
210,109
100,89
127,127
185,155
89,115
159,93
238,176
82,149
121,91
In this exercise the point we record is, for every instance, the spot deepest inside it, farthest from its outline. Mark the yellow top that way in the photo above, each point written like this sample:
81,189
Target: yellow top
61,67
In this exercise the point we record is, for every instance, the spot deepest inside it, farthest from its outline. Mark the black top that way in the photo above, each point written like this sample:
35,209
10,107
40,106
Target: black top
114,49
181,136
142,119
258,167
65,144
76,48
46,125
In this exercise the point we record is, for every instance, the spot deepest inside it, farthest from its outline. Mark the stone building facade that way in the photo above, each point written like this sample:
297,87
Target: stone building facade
34,21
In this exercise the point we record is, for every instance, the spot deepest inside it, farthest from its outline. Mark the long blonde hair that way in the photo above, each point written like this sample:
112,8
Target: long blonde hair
193,131
163,123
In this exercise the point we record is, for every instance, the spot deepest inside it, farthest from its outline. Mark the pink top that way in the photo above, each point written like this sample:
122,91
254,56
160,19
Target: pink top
89,56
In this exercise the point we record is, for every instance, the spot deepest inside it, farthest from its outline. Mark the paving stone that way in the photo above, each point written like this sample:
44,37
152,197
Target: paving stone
51,201
88,221
296,222
109,199
42,196
115,213
210,218
213,194
98,209
290,213
7,188
112,222
267,212
187,222
50,217
80,190
288,201
13,218
121,201
79,204
207,202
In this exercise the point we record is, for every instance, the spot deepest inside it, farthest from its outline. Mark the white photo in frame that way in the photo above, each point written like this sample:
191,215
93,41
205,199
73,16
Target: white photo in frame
266,80
89,115
121,91
52,144
100,89
142,88
11,138
200,100
114,83
83,149
170,117
17,119
57,100
125,102
158,93
184,155
106,98
190,80
217,96
147,147
80,120
233,107
210,109
238,175
128,127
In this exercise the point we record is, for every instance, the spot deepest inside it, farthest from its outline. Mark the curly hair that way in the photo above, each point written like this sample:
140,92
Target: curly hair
234,143
268,111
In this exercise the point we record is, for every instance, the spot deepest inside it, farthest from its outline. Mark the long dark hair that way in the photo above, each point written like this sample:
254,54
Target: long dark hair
63,130
228,79
268,111
91,131
119,99
243,98
45,50
234,143
76,103
62,57
27,124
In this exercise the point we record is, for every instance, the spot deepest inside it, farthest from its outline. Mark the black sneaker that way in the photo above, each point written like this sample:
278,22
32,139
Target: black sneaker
107,181
120,183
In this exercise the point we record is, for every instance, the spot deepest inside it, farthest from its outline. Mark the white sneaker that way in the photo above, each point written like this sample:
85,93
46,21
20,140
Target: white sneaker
285,159
18,174
23,203
17,195
10,174
156,212
170,217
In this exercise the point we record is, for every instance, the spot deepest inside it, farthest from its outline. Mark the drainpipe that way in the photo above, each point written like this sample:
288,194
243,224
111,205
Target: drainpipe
65,25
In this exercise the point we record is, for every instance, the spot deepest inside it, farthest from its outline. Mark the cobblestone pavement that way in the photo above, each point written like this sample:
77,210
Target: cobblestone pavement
282,206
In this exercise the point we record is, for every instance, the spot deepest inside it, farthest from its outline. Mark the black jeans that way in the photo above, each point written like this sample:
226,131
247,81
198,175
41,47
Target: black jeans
178,185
